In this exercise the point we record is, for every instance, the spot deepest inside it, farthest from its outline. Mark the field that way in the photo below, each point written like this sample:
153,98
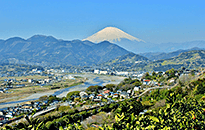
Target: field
29,89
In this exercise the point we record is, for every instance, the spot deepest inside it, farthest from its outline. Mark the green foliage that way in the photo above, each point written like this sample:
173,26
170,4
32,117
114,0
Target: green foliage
49,125
63,108
156,94
127,61
43,98
94,88
70,94
6,67
21,125
199,89
178,90
51,98
147,76
129,106
69,117
110,86
170,73
170,95
108,108
191,59
129,83
182,114
199,86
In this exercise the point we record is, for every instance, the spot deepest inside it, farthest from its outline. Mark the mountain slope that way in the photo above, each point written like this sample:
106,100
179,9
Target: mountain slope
170,47
126,61
159,56
112,35
122,39
136,45
134,62
47,50
190,59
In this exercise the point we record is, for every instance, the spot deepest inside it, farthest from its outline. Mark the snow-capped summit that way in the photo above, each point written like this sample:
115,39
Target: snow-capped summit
111,34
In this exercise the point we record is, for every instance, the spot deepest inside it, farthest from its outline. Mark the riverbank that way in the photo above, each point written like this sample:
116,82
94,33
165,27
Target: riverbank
16,94
92,79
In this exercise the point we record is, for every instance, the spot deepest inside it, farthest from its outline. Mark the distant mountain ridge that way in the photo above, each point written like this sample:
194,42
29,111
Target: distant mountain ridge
170,47
127,61
159,56
47,50
190,59
133,62
136,45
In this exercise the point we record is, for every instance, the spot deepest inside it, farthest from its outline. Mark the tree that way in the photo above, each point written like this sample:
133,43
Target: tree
94,88
199,89
51,98
137,82
153,73
43,98
170,73
70,94
179,90
146,76
110,86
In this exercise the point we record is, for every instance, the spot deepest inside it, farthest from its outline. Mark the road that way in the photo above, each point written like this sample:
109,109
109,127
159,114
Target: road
152,89
43,111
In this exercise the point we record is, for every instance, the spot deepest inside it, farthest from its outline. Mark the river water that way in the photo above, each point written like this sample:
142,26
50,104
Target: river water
93,80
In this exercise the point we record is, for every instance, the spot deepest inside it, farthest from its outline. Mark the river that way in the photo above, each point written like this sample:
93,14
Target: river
92,80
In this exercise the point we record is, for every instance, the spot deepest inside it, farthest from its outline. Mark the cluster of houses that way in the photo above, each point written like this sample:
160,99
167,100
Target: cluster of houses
17,112
13,83
98,98
95,69
12,112
103,97
118,73
139,74
150,82
21,73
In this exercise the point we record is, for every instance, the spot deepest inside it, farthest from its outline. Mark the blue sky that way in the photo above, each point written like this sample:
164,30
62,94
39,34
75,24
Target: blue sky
156,21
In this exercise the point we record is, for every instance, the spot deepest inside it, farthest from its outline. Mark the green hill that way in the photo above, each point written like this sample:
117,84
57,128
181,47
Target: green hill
48,51
126,61
191,59
131,61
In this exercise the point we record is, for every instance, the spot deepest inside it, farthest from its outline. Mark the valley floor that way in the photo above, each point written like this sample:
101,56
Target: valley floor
91,79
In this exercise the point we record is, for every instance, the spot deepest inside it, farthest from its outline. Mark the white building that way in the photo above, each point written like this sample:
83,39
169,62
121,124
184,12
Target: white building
136,88
96,71
82,93
103,72
122,73
30,80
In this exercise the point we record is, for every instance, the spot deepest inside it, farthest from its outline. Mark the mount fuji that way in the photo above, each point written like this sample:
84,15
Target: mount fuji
119,37
137,45
111,34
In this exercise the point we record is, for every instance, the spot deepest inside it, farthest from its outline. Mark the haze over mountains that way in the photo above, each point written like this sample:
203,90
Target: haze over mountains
47,50
133,62
158,55
137,45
